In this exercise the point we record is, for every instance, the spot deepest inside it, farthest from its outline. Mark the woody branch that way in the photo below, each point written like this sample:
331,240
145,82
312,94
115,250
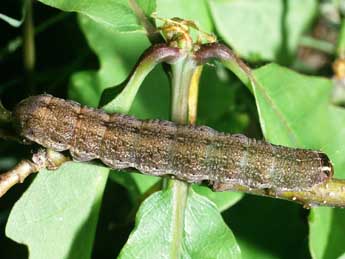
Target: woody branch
44,158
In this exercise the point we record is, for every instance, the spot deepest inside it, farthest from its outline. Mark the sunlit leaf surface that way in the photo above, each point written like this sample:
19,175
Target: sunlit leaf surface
263,29
57,216
205,234
294,110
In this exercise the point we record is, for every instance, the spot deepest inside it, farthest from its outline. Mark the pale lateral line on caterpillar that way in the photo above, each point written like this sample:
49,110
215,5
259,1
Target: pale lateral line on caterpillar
191,153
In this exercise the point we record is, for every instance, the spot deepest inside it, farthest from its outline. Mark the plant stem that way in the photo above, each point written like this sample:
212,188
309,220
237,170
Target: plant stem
341,40
29,46
224,54
330,193
182,74
180,193
111,101
152,33
317,44
44,158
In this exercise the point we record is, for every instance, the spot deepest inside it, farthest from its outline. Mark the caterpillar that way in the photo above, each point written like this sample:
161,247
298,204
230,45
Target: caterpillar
191,153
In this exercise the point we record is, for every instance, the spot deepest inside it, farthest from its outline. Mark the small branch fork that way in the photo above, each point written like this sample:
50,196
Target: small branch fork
44,158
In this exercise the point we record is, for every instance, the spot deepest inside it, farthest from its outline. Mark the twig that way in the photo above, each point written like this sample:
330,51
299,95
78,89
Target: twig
42,159
330,194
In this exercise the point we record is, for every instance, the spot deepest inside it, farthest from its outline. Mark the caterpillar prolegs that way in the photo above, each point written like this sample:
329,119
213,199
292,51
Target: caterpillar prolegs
190,153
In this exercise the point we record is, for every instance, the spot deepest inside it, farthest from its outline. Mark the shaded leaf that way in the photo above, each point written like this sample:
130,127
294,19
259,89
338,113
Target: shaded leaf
268,228
263,29
57,216
117,54
223,200
205,234
326,233
318,243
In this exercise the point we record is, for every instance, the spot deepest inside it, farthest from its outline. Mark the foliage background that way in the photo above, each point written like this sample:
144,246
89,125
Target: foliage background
80,54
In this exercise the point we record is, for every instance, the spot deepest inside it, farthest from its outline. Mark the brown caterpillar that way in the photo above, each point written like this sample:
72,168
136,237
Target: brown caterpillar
190,153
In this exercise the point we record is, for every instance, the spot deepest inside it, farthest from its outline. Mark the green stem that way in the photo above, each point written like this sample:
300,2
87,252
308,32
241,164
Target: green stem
29,45
111,101
341,40
179,195
330,193
182,73
228,58
317,44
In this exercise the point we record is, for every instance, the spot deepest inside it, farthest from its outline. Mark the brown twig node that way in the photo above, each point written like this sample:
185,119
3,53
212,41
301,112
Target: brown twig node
44,158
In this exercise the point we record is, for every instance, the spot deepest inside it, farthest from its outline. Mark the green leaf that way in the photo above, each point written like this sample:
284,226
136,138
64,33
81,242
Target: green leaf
115,14
57,216
326,233
300,109
195,10
318,243
294,110
205,234
117,54
263,29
